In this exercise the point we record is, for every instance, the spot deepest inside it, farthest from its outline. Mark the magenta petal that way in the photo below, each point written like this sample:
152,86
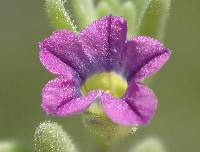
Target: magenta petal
137,108
152,66
55,65
102,42
142,100
142,57
119,111
78,105
65,46
58,92
62,97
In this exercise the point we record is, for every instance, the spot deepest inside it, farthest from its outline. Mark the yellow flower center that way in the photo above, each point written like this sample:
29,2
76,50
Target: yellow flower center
108,81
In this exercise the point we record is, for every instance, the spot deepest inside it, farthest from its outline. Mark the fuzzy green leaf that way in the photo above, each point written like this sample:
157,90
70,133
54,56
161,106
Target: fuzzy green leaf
58,16
83,12
130,13
154,17
115,6
139,5
103,9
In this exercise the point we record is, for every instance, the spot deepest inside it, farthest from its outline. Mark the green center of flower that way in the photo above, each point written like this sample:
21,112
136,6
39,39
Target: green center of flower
108,81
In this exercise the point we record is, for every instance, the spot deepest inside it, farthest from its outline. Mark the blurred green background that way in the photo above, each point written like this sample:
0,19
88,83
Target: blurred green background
23,23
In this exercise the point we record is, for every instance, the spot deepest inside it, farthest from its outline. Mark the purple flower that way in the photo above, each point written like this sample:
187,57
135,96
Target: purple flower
101,47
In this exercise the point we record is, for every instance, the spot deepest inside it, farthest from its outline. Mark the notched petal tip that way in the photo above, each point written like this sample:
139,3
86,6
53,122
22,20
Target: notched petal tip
152,66
59,91
143,56
119,111
55,65
62,97
137,107
78,105
64,47
102,42
142,100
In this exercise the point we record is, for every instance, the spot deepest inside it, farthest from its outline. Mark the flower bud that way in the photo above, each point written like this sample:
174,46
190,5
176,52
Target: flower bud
50,137
12,146
149,145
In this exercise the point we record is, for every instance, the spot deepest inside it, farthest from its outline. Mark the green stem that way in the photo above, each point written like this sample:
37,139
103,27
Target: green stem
101,146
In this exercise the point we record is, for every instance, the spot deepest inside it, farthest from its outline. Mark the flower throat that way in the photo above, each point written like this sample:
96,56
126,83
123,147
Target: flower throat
108,81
